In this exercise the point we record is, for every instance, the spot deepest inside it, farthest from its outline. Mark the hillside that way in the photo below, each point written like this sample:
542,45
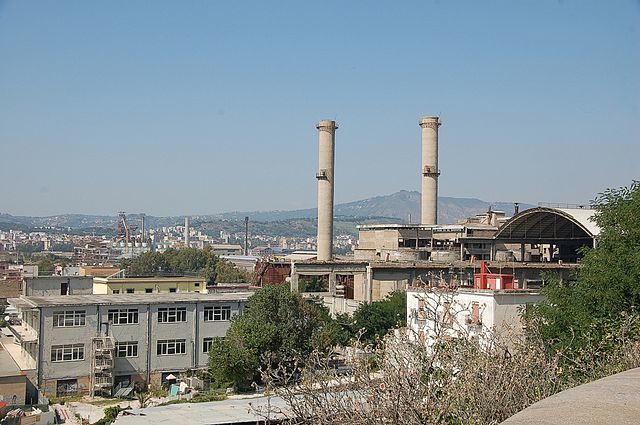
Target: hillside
398,207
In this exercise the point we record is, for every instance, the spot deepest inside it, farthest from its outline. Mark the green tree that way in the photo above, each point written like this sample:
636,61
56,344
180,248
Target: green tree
227,272
186,260
277,327
377,318
587,312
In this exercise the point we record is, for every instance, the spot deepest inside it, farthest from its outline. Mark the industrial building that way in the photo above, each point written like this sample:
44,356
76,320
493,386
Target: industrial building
93,344
392,257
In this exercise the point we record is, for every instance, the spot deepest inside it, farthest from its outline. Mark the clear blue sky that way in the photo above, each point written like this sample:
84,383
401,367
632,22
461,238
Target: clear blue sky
196,107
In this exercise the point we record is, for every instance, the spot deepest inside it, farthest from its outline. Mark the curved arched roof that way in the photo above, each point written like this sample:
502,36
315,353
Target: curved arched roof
550,224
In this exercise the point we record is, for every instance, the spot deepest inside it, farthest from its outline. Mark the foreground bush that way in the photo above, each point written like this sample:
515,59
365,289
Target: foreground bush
455,382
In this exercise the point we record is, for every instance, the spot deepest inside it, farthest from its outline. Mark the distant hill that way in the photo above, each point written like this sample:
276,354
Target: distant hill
397,207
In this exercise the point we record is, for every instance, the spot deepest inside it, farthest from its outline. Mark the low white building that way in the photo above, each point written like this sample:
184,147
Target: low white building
434,313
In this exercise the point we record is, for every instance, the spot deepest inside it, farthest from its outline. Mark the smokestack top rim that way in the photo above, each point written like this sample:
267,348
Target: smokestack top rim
331,124
430,119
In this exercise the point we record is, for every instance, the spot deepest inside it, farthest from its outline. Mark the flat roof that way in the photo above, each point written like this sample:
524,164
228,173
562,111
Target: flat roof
120,299
8,367
472,290
230,411
147,279
434,227
395,226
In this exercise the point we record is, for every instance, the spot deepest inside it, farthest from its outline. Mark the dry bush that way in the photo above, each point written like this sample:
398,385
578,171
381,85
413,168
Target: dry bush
455,381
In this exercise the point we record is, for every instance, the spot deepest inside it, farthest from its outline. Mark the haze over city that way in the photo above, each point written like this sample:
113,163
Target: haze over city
172,108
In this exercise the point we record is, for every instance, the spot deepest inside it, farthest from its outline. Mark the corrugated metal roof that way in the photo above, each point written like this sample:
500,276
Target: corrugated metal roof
583,216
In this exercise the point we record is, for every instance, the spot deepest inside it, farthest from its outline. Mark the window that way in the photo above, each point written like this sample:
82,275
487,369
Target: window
217,313
115,291
130,291
196,284
127,349
167,347
148,290
67,352
173,290
172,314
65,319
206,344
123,316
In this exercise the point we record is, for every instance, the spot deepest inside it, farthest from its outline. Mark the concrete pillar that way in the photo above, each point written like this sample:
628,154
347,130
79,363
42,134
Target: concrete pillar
368,285
293,279
327,134
430,172
332,283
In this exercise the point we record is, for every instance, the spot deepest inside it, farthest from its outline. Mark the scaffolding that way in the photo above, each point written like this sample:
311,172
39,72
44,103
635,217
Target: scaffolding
102,366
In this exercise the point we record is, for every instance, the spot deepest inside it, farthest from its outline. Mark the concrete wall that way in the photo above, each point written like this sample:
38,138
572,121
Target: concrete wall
13,389
499,311
147,332
103,286
52,285
378,239
9,289
611,400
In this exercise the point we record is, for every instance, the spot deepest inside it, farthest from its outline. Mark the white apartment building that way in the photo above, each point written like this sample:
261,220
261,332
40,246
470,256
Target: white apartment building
91,344
433,313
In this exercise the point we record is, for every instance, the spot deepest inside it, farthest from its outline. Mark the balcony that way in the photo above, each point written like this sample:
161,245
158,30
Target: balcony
24,333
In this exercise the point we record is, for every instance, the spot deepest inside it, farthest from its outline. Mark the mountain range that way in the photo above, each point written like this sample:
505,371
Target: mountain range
402,206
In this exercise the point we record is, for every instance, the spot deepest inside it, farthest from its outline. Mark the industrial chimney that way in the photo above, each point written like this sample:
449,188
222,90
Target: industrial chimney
186,232
430,170
327,134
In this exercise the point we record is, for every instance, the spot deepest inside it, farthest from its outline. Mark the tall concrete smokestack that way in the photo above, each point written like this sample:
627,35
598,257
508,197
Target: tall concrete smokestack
430,170
186,232
327,136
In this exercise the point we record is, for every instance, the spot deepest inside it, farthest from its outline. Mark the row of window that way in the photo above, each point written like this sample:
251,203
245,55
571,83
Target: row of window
148,290
164,347
129,316
63,319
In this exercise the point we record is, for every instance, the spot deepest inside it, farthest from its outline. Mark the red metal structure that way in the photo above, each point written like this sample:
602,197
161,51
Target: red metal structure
495,281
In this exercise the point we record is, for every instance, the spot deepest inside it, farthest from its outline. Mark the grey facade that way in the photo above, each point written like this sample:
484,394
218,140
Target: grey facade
46,286
89,344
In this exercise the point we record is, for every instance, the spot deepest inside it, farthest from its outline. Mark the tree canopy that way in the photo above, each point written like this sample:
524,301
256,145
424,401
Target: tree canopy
187,260
377,318
277,326
607,289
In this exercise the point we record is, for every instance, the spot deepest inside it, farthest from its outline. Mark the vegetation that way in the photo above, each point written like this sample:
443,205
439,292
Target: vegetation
280,327
289,228
202,262
456,381
588,329
277,326
48,262
314,284
375,319
600,309
110,415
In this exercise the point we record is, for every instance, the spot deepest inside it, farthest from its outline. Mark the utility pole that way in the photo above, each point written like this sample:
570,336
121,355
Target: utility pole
246,236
